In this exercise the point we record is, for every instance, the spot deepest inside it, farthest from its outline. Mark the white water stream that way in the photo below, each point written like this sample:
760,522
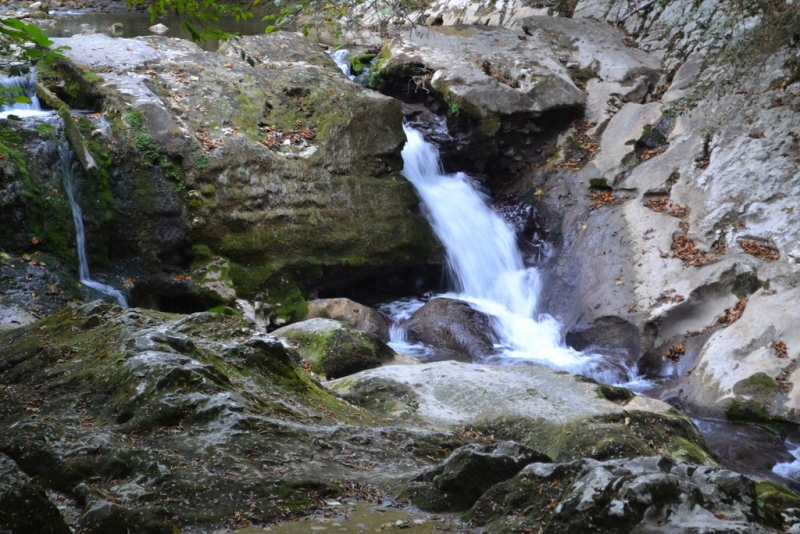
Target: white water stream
15,86
66,169
487,271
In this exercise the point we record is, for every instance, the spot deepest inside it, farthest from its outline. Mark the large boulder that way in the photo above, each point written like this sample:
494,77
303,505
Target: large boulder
347,311
453,327
264,154
645,494
558,414
334,349
495,87
24,506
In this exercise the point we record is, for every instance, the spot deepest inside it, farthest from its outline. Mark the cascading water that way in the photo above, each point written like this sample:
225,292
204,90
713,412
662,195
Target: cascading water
340,57
66,167
487,270
15,86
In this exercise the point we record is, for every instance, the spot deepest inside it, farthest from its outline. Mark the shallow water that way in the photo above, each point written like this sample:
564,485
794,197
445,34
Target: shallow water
137,23
365,517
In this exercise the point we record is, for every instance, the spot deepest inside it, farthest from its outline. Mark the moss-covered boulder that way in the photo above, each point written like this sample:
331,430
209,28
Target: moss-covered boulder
334,349
264,153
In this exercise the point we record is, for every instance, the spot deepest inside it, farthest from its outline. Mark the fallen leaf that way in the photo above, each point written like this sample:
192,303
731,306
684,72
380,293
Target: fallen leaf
34,240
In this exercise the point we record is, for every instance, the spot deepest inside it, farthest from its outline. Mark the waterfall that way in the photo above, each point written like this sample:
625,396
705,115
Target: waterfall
66,167
487,270
340,57
14,86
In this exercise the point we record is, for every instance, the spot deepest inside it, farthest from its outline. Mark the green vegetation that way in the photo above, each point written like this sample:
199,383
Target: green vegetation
22,46
752,412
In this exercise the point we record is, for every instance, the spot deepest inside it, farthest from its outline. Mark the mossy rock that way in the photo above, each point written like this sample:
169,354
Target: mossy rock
334,349
776,499
753,412
761,386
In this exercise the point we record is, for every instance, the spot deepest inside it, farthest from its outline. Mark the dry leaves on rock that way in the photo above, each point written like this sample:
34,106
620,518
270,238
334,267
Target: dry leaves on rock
759,251
603,198
781,350
733,314
675,352
684,248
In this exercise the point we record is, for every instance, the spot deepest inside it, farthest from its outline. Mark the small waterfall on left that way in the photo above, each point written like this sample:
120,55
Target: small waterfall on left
67,168
14,86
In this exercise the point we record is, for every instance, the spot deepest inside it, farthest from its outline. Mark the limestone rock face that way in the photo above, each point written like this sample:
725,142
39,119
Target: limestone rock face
696,227
267,156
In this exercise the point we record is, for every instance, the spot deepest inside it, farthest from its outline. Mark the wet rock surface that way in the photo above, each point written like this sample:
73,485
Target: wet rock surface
207,156
454,327
643,494
140,416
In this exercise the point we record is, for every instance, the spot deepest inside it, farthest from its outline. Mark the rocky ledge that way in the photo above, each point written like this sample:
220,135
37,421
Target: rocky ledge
132,418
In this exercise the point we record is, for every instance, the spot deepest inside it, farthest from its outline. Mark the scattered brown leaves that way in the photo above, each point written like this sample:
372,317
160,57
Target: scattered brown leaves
668,296
489,70
781,350
275,136
675,352
684,248
603,198
731,315
663,204
759,251
579,149
650,153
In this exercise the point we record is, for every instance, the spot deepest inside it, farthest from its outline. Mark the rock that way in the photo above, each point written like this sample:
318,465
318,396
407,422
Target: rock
334,349
471,470
356,315
331,200
618,139
216,408
454,327
633,495
158,28
24,506
690,237
743,360
561,415
610,72
486,74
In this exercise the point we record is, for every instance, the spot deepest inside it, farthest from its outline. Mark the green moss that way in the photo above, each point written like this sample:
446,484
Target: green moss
775,499
146,145
614,393
135,120
202,162
760,384
225,310
752,412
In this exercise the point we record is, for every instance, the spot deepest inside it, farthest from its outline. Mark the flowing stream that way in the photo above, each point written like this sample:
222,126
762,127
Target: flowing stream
486,270
66,167
26,86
